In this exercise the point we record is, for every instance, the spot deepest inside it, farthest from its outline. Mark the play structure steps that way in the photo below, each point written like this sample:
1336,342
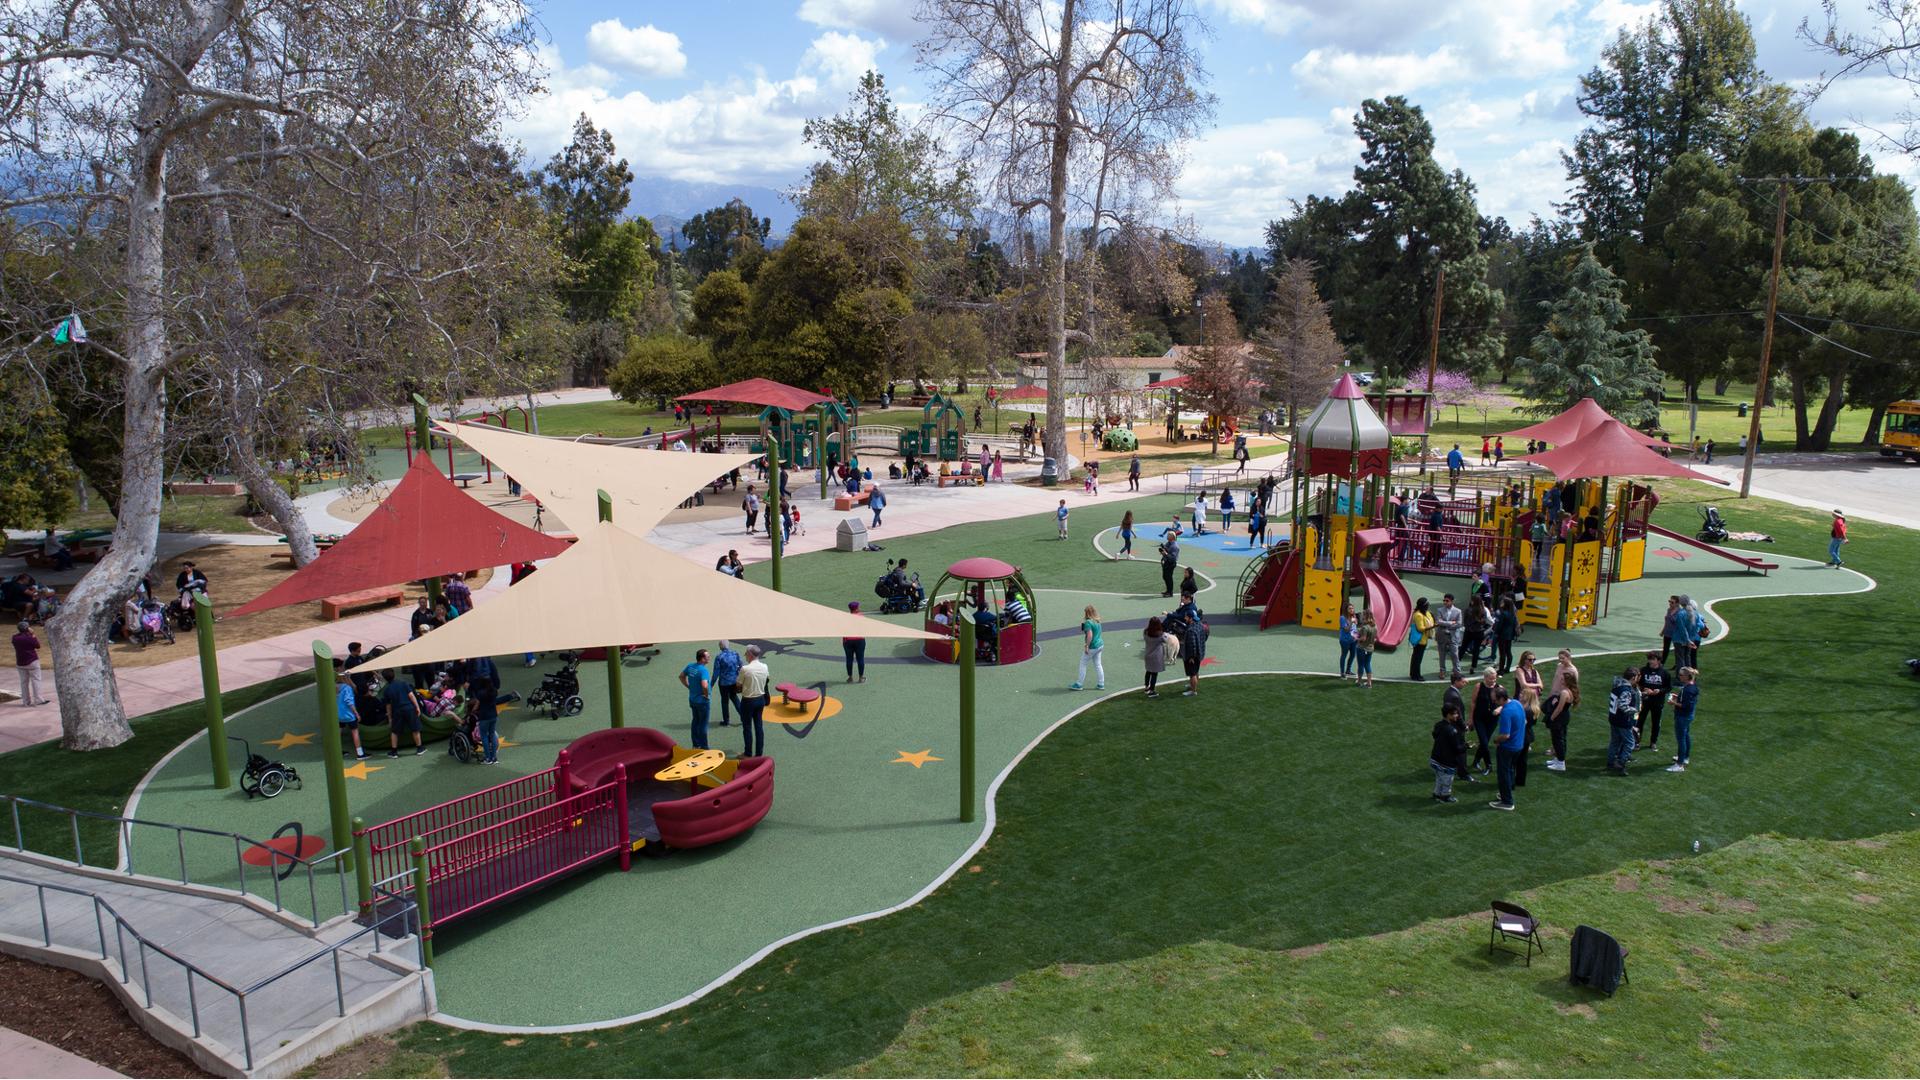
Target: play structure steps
1748,561
1261,576
175,955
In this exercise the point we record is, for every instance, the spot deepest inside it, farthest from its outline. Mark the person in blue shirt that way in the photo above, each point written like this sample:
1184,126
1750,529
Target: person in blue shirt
699,684
1509,741
726,678
349,713
1455,463
484,709
876,502
1685,700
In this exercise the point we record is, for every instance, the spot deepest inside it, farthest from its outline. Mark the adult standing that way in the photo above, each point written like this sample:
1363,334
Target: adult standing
1666,628
753,702
751,504
1685,700
1487,696
876,502
1189,622
1226,510
1454,695
26,660
403,713
1654,683
1448,623
1126,536
1133,473
699,683
1506,627
1422,633
726,676
1449,754
1684,627
1510,741
1200,514
1456,462
1564,671
1474,630
459,595
1154,654
483,708
1838,536
1091,644
1169,560
1559,710
1623,711
1348,627
1526,677
855,649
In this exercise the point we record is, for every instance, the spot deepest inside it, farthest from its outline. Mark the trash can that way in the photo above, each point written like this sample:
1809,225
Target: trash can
1049,473
1743,410
851,536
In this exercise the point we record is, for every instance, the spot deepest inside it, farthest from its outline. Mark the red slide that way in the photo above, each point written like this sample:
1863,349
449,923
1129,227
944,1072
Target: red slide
1388,600
1747,561
1283,599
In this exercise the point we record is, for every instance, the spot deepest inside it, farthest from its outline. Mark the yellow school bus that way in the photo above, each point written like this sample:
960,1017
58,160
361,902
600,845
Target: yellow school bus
1900,433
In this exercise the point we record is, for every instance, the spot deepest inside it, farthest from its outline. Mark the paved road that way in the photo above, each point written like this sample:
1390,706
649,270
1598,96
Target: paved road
1860,485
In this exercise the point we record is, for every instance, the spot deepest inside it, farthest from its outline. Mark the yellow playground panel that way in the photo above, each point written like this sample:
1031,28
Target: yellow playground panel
1543,589
1633,560
1583,587
1320,592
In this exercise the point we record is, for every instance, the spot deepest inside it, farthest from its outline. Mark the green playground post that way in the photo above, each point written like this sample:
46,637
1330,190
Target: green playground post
324,690
775,523
362,865
616,696
966,716
420,899
210,690
820,448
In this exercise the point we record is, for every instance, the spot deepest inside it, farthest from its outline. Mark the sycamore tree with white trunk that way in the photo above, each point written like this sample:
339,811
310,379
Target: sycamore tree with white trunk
125,128
1062,104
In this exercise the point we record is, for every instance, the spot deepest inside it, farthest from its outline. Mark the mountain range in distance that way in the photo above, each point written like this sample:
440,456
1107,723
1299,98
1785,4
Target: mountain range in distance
669,203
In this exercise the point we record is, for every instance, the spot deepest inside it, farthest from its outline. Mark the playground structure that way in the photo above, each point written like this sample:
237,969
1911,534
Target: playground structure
601,799
978,582
942,434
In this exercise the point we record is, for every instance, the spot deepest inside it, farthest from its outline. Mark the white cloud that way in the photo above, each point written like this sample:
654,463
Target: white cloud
1238,177
1337,73
744,130
891,19
639,50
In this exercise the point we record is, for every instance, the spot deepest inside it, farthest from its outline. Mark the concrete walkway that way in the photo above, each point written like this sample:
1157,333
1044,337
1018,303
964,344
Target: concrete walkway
288,1021
23,1055
1865,486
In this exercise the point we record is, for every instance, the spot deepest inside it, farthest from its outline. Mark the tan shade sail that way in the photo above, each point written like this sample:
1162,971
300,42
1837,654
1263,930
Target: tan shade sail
613,588
644,484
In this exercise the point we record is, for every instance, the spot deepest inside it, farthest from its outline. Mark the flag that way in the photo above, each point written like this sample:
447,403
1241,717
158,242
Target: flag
71,329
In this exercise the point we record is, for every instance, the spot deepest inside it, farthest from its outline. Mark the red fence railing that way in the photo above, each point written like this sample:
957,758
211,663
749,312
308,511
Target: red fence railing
388,840
468,872
1451,550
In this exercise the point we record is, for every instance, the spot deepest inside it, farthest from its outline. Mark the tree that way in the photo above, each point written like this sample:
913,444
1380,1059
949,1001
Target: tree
103,101
1528,267
1699,268
1021,80
610,261
662,366
1585,351
719,237
36,479
1219,370
1681,82
1299,356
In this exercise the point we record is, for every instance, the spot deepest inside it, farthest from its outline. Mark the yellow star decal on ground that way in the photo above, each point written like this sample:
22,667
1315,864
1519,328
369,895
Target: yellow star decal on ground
359,770
915,760
290,739
505,743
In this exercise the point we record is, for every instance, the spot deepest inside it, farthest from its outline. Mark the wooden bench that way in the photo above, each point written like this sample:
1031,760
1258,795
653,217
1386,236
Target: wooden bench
844,501
333,607
964,479
795,694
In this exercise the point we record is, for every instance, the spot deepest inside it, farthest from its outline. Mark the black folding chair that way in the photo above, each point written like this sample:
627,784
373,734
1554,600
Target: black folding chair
1511,922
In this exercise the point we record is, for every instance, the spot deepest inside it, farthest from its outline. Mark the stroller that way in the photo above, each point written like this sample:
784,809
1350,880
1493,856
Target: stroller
1713,528
559,692
898,595
180,612
151,626
264,777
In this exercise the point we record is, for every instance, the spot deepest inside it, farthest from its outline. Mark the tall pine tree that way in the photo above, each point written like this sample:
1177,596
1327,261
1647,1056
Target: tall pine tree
1586,351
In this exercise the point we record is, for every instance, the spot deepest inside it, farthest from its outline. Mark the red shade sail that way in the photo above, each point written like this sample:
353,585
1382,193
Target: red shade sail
424,528
1578,419
1175,383
1611,450
760,392
1029,392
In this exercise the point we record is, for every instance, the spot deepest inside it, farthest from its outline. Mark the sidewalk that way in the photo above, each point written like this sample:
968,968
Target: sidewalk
1864,486
23,1055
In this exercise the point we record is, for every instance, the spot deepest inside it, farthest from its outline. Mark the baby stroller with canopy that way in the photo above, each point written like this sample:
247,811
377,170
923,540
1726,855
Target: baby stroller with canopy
559,692
1713,528
151,626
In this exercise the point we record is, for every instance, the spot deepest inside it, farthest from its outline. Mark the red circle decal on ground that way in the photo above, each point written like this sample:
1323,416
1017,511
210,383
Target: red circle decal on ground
275,851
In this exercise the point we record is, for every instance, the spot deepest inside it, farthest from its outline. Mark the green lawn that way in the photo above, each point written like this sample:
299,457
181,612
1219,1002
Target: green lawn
1279,812
178,513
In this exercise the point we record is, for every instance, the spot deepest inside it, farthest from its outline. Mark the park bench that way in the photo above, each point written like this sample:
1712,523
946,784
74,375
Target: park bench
333,607
795,694
844,501
960,479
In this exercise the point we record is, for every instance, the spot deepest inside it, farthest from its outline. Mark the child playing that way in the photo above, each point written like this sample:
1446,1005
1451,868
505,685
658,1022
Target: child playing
1093,478
1060,515
1685,700
794,512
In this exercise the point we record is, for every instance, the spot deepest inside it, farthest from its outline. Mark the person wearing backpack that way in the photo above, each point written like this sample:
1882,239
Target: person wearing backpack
1189,625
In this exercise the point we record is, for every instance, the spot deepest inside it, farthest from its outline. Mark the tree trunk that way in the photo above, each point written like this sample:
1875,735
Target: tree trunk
1798,383
91,714
1830,408
274,498
1720,384
1874,419
1056,265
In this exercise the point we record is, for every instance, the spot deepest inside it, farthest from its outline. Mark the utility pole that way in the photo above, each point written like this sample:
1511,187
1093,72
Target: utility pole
1766,340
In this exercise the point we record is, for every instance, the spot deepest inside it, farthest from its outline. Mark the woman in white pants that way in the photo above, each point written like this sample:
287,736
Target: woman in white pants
1090,646
26,657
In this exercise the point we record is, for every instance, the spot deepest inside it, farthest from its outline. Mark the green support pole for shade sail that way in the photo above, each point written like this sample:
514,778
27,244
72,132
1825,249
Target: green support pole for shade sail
775,523
423,424
362,865
820,448
966,717
324,690
210,690
616,697
420,900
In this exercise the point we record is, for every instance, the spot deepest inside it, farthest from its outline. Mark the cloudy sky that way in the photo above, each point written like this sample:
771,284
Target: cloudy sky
717,91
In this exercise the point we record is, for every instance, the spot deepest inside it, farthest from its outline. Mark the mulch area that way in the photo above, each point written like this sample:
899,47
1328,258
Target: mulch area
82,1017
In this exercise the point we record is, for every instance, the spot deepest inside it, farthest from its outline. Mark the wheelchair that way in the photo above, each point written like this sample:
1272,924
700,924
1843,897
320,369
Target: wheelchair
559,692
264,777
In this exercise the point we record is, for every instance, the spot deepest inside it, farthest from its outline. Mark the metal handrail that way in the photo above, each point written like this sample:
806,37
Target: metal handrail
240,845
122,928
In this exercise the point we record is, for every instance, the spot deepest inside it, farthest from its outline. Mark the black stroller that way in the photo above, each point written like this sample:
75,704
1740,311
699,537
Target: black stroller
1713,528
559,692
898,595
264,777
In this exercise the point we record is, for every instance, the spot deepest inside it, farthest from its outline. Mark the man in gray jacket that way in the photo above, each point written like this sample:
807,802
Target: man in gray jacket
1448,624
